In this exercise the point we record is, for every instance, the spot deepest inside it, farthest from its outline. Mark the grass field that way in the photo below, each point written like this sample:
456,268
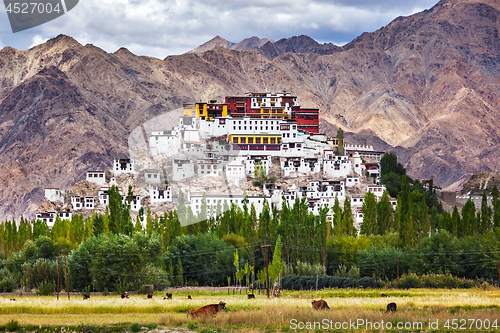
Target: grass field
477,306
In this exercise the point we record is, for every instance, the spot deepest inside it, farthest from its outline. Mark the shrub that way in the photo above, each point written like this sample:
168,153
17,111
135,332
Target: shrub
409,281
12,326
105,292
367,282
135,327
8,285
350,283
46,288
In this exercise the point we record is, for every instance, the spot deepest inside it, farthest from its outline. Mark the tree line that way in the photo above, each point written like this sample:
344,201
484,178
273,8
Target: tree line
109,252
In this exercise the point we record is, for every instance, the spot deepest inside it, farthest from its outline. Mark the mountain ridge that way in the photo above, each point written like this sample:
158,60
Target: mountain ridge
426,85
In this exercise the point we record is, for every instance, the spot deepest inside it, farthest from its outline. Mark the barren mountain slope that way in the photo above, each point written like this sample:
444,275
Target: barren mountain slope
426,84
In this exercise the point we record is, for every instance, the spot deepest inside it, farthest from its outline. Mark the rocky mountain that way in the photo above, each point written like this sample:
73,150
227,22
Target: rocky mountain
296,44
481,182
425,86
247,43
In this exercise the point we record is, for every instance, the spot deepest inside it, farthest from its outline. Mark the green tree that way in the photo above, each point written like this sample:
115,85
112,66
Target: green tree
149,222
455,221
384,214
337,217
468,225
486,214
180,273
369,225
115,223
277,264
496,206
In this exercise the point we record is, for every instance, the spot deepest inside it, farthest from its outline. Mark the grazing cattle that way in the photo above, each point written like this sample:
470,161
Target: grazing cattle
320,305
383,295
189,297
86,296
12,299
207,310
391,307
150,295
251,296
125,295
169,295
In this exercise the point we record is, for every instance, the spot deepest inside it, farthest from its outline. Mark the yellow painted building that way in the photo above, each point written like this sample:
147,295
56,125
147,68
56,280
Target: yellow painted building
210,110
255,139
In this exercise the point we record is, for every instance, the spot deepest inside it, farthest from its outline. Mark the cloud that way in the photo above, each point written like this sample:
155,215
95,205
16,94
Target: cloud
164,27
37,40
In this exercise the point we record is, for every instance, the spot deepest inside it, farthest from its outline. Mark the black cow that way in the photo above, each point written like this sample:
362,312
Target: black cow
86,296
169,295
391,307
189,297
251,296
150,295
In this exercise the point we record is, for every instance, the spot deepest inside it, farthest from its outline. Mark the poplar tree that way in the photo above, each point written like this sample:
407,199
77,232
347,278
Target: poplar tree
347,219
115,210
277,264
337,217
149,222
496,206
384,214
455,221
369,207
486,214
468,225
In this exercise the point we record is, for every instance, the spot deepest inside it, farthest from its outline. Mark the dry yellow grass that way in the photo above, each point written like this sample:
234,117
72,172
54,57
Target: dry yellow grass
414,305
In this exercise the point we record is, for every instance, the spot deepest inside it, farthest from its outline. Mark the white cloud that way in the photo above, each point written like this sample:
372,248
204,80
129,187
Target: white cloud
165,27
37,40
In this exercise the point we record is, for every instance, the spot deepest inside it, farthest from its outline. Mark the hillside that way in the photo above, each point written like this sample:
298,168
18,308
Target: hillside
425,86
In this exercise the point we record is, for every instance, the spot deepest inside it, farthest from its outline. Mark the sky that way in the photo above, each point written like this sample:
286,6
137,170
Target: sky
159,28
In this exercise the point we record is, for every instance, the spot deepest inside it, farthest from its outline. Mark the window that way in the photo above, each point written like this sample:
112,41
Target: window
90,175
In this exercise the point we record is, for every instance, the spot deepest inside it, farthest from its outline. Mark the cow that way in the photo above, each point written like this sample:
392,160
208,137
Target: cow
383,295
86,296
125,295
189,297
391,307
207,310
320,305
169,295
150,295
251,296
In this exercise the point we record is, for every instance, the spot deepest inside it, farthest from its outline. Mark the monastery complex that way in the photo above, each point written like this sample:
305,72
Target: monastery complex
262,146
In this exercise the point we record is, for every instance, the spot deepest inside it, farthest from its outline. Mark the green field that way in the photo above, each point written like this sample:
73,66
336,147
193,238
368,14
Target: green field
478,307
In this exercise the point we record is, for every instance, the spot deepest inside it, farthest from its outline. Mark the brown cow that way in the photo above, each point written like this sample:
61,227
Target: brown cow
150,295
391,307
207,310
383,295
169,295
320,305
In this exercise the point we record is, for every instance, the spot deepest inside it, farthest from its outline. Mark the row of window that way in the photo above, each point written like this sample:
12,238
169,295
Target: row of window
96,175
256,140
